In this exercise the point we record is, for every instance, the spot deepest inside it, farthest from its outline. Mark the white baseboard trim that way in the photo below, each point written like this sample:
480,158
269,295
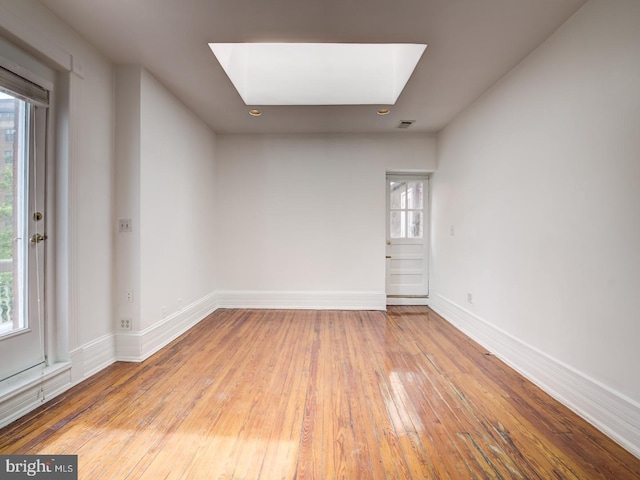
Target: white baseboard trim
92,357
19,398
304,300
613,413
138,346
26,393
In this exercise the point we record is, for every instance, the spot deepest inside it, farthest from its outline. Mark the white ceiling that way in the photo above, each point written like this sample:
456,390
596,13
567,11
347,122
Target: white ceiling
472,43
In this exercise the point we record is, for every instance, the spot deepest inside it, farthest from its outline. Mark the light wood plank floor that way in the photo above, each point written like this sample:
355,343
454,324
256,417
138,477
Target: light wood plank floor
250,394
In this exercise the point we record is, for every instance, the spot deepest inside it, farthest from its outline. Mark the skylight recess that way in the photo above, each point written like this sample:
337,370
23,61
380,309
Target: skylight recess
318,73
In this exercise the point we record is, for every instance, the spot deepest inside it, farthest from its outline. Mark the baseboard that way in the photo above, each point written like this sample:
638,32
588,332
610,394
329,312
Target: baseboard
314,300
19,398
92,357
27,393
613,413
138,346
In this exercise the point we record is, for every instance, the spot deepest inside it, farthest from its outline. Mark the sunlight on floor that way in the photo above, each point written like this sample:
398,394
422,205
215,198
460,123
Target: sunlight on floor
403,414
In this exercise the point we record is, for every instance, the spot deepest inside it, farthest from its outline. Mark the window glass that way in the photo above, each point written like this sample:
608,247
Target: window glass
13,175
398,224
398,195
406,202
414,195
415,227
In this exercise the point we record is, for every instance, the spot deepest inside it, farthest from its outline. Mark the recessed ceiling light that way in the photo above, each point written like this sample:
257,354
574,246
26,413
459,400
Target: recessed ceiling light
383,111
255,113
318,73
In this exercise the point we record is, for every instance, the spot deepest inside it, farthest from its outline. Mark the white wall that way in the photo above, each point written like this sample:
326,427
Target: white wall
177,205
306,213
540,179
165,180
93,203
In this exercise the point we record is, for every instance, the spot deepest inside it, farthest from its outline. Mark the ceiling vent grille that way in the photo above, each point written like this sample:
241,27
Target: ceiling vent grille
405,123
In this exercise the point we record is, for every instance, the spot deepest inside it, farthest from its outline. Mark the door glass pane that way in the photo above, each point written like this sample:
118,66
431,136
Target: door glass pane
415,228
398,224
397,194
13,178
414,195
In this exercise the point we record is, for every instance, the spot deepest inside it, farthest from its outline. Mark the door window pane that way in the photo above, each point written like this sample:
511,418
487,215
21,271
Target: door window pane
406,208
13,177
397,193
414,195
415,227
398,224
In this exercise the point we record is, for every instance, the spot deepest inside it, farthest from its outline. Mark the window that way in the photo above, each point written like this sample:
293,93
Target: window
406,209
12,181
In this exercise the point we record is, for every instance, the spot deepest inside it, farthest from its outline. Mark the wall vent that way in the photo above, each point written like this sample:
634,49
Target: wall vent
405,123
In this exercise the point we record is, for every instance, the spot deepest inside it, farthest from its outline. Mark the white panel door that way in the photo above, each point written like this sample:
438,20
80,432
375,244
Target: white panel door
407,234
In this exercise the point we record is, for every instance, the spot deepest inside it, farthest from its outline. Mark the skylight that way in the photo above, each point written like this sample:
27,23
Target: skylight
318,73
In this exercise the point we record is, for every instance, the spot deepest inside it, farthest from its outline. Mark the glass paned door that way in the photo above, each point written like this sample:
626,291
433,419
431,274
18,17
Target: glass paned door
407,246
22,181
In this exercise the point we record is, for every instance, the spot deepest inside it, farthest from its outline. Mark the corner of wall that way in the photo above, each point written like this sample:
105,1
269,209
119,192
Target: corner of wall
127,195
138,346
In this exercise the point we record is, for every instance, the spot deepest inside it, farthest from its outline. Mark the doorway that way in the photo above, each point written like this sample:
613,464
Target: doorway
407,281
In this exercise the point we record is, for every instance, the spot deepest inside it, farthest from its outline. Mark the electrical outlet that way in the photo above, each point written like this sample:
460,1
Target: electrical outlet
124,225
130,296
469,298
125,324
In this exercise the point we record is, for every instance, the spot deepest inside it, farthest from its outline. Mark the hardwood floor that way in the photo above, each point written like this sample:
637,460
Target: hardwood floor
269,394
